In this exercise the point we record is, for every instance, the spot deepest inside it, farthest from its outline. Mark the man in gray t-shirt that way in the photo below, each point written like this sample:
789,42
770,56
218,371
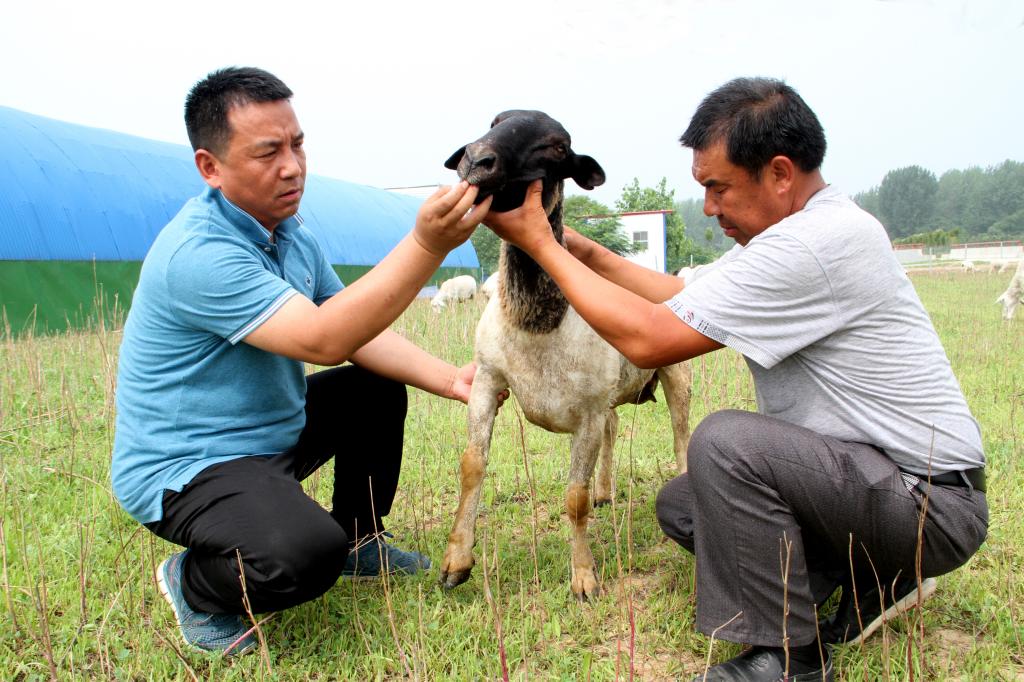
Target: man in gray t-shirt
860,418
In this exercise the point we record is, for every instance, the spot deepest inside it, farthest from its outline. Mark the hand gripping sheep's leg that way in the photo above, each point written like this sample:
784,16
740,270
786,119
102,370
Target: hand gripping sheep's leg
605,483
586,444
676,381
483,406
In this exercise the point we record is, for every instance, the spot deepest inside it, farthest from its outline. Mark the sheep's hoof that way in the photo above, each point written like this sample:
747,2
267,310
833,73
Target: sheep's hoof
452,579
592,593
585,586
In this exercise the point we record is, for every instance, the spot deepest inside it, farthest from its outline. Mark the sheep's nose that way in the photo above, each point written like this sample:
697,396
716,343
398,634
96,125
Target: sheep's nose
485,161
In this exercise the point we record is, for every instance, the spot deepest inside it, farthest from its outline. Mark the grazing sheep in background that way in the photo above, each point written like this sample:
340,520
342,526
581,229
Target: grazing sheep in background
689,272
1014,294
566,378
489,287
461,288
967,266
1005,265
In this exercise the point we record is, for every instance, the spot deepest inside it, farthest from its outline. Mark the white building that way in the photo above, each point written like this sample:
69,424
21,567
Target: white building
646,229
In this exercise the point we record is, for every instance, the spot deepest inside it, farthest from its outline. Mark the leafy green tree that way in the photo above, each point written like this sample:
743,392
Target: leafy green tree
933,238
1008,227
869,201
678,246
488,247
595,220
906,200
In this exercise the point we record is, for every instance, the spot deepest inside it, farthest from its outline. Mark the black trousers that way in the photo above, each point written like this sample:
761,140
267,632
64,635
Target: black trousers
764,498
292,549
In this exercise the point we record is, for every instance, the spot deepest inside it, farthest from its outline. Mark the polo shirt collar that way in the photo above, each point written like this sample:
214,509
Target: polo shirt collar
248,226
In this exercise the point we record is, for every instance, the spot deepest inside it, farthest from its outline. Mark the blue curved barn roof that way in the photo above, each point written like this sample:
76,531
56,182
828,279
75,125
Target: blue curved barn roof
70,192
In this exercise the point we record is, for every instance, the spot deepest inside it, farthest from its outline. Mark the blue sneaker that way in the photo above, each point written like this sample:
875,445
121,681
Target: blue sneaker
372,557
220,632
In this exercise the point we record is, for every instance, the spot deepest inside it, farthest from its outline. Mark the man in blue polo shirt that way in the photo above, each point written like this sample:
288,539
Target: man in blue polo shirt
217,423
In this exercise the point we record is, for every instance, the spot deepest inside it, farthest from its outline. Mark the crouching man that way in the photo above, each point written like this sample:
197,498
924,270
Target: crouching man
859,420
217,424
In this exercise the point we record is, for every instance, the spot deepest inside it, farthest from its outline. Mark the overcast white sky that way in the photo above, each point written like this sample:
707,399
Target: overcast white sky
387,90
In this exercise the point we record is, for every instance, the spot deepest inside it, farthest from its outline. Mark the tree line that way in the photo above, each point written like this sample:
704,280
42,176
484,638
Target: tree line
972,205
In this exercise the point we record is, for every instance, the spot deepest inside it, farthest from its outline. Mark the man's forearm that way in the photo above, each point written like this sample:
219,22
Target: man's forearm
656,287
645,331
395,357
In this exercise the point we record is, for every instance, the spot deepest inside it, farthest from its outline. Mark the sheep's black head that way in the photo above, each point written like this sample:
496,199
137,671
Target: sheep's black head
521,147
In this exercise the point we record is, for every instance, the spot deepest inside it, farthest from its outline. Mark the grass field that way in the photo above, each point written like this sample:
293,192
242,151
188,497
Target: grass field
80,602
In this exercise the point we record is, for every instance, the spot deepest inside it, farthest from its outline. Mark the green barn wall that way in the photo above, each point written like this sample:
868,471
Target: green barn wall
44,297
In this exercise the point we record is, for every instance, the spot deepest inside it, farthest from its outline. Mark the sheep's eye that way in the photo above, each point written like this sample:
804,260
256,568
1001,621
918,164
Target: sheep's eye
560,148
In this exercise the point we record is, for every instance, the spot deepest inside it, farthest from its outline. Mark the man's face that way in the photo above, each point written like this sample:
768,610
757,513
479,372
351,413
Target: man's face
263,168
744,205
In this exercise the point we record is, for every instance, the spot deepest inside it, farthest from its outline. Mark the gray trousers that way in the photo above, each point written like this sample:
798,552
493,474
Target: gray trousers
761,492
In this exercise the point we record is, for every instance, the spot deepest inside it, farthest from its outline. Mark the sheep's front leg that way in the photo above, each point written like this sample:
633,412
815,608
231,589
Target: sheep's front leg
483,406
677,383
586,444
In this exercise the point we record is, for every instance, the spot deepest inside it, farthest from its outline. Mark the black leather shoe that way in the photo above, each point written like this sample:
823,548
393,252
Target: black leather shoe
762,665
902,596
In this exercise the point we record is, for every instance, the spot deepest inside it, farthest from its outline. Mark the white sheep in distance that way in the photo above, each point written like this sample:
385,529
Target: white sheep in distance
461,288
968,266
1014,294
489,287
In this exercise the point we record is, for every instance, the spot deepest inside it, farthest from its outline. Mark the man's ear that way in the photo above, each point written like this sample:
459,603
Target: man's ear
209,168
783,172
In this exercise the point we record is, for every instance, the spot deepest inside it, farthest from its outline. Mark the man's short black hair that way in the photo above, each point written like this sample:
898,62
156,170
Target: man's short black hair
758,119
209,100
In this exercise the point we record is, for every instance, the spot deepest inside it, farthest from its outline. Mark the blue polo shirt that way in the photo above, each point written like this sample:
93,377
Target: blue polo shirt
189,395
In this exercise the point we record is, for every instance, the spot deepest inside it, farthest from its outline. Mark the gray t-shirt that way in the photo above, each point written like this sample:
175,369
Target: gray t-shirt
835,336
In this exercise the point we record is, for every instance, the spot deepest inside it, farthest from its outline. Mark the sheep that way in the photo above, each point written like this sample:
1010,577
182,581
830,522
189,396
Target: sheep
1014,294
688,272
1005,266
461,288
967,266
566,378
489,287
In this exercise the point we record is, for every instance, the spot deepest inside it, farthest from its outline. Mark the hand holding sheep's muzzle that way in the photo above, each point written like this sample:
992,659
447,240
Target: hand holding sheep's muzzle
445,220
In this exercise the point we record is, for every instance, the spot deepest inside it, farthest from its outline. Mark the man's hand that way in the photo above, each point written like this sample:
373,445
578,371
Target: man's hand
443,223
579,246
527,226
463,381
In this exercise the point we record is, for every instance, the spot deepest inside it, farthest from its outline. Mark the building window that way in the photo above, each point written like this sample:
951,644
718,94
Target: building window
640,240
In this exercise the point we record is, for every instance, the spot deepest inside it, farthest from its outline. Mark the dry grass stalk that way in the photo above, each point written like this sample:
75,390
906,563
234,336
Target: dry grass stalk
533,496
493,603
264,652
711,644
386,584
785,555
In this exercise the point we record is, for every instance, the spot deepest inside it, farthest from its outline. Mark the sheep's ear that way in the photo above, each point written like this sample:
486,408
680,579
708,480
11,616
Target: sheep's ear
453,160
587,173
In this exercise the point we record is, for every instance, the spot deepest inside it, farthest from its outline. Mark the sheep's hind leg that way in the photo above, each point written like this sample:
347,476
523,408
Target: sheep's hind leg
677,384
586,444
605,480
483,406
